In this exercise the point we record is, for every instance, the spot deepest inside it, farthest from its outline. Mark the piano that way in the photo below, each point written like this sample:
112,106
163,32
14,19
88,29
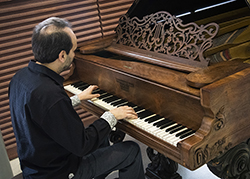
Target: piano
184,67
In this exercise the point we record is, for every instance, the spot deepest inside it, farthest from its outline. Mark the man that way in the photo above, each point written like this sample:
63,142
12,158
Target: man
51,139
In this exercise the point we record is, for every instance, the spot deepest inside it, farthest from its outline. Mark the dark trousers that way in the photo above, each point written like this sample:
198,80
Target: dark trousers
123,156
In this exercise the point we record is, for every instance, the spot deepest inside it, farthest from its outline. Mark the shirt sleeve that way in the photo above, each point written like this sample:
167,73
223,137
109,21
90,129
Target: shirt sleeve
75,100
108,116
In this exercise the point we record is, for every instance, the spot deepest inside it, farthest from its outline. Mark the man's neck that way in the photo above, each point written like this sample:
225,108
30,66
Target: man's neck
51,66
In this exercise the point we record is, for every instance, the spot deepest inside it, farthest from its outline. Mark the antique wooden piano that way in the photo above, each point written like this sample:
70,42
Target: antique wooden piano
184,67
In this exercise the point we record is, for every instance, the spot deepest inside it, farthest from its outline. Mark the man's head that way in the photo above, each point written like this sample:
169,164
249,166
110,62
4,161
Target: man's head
53,39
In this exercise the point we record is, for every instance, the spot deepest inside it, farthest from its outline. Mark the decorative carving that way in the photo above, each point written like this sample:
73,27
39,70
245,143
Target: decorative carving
163,33
203,155
220,119
161,167
234,164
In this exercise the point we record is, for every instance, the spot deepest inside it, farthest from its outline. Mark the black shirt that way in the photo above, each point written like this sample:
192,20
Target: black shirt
51,138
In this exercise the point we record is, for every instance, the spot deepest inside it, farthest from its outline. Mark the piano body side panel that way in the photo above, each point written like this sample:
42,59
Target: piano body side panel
226,103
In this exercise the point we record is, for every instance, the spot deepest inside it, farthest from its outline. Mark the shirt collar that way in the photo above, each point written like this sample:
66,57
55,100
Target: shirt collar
46,71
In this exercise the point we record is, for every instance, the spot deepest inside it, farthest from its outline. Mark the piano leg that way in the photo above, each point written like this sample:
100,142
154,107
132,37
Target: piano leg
161,167
116,136
233,164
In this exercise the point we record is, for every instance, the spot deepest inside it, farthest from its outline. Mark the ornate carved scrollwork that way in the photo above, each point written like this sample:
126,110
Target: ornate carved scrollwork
202,155
234,164
220,119
163,33
161,167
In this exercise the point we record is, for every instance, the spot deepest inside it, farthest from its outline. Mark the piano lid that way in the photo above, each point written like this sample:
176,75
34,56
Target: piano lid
189,11
176,34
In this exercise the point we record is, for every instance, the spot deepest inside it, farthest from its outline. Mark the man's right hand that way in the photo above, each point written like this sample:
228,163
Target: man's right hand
124,112
87,93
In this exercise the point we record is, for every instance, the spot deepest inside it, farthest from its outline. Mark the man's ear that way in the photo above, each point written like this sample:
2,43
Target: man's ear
62,56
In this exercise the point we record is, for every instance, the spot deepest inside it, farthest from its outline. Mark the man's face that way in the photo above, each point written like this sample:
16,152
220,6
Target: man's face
71,55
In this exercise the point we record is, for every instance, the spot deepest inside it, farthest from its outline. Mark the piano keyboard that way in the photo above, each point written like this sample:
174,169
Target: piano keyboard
161,127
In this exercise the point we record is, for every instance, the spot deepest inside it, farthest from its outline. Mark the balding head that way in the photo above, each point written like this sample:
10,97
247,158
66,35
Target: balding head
49,39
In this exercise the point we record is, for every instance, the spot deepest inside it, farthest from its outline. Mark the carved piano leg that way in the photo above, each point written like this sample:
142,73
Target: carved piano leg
234,164
161,167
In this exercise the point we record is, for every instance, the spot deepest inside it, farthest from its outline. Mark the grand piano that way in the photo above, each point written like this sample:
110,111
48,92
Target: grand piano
184,67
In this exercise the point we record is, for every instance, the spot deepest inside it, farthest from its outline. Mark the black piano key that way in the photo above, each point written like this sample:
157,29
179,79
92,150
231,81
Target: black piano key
118,102
183,132
153,118
177,129
98,91
162,122
128,104
145,114
105,96
78,83
131,105
172,128
113,98
169,123
186,134
138,109
83,87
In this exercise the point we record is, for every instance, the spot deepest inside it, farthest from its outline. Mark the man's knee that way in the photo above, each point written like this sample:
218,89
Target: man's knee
133,147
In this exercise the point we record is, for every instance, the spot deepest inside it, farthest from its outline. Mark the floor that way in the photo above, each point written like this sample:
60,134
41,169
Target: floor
202,172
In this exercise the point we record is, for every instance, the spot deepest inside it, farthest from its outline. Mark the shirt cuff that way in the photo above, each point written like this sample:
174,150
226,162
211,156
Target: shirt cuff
110,118
75,100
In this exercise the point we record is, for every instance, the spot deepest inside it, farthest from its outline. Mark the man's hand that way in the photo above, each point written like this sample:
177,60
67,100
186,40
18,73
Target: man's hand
124,112
87,93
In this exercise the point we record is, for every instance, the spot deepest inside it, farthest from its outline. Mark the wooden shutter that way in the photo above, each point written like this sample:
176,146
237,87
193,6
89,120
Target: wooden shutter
110,13
91,19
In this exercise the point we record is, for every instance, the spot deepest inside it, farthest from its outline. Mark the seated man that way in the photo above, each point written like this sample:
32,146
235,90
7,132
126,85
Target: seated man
51,139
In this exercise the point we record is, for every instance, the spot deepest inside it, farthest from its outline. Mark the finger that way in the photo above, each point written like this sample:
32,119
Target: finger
95,96
131,116
130,112
92,87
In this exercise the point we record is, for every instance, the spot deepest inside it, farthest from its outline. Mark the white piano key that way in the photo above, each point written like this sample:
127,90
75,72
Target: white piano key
102,104
72,89
174,134
178,140
163,132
